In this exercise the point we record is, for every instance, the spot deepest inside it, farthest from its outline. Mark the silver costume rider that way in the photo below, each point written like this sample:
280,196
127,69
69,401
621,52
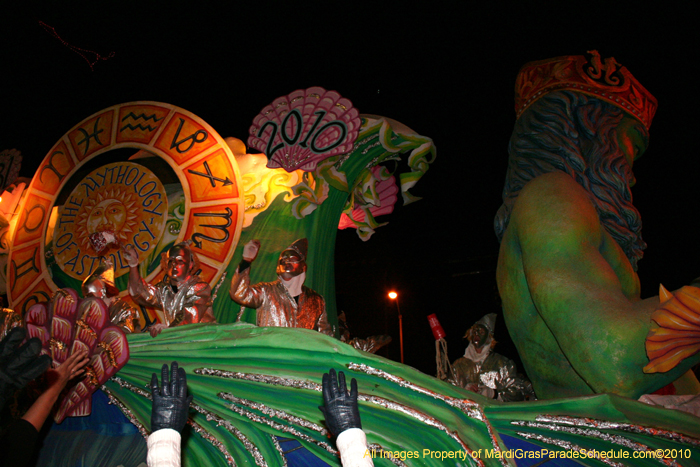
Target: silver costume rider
100,284
183,296
484,371
285,302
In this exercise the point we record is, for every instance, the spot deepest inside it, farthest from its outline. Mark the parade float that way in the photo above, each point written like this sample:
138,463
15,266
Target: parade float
167,177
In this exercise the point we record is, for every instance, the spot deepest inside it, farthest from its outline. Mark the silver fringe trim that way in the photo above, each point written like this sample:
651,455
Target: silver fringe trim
213,440
135,389
258,378
128,413
250,447
605,425
469,407
276,442
195,426
281,414
280,427
492,435
592,433
428,420
566,445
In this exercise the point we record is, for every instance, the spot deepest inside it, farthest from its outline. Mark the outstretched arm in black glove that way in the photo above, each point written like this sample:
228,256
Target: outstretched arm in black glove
168,416
343,420
340,407
19,364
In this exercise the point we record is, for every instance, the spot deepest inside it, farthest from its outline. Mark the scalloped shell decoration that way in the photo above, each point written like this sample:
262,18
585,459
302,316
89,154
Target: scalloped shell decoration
678,334
307,126
67,324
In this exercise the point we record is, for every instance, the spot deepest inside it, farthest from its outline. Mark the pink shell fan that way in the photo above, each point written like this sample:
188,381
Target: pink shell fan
307,126
67,324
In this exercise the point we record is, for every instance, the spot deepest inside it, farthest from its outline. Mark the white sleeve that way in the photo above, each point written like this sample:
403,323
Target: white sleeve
352,444
164,448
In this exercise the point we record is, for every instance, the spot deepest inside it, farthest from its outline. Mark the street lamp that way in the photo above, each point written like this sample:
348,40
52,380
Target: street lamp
394,296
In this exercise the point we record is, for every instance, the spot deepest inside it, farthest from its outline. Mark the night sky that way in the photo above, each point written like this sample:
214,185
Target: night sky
445,69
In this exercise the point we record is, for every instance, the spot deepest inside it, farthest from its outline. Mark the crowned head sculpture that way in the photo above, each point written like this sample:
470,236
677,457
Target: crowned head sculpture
604,79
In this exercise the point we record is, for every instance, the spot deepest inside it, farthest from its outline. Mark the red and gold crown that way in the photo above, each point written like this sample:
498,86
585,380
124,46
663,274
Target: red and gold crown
606,80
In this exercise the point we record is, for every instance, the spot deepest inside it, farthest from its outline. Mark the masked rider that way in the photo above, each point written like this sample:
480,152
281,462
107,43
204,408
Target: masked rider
100,284
182,296
285,302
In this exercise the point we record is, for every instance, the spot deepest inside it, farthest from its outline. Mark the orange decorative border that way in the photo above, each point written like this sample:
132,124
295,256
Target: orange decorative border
179,137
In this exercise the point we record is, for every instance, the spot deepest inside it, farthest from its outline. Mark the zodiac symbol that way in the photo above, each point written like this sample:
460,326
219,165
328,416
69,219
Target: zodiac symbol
227,216
211,177
31,267
87,137
139,126
193,138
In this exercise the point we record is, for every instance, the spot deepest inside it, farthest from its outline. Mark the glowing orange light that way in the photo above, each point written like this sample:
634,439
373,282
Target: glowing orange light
393,295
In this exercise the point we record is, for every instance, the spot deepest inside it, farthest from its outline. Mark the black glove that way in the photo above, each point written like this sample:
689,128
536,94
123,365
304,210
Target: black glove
340,408
170,404
19,364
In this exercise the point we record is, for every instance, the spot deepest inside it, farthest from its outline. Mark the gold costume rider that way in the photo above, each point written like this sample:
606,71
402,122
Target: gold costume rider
183,296
100,284
285,302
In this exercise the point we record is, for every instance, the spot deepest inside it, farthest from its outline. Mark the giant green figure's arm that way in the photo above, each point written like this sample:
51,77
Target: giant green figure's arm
584,288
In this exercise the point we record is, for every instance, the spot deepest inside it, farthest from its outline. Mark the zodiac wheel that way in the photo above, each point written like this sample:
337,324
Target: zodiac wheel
196,153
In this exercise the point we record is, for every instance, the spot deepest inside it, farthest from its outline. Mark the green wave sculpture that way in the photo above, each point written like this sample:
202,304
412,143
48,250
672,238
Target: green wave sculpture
252,384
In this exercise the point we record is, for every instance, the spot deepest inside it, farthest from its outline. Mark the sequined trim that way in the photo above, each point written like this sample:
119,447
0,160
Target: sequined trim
469,407
195,426
250,447
276,443
91,376
214,441
605,425
66,296
258,378
281,414
280,427
275,380
125,410
427,419
83,325
54,343
109,352
492,435
566,445
135,389
592,433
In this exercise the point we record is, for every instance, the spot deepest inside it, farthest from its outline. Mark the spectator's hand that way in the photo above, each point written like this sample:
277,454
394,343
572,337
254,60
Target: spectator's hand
130,255
340,407
72,367
170,404
19,364
250,250
155,329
